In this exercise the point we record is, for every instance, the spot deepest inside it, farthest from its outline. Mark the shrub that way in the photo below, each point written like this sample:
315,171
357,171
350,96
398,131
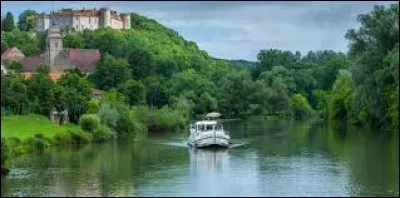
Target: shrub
92,106
108,115
102,133
300,107
35,143
89,122
79,137
62,138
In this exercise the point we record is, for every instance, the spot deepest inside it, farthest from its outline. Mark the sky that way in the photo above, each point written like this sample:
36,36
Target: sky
238,29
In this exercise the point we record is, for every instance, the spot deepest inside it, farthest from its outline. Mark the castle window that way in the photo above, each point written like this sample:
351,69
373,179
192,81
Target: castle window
56,44
89,19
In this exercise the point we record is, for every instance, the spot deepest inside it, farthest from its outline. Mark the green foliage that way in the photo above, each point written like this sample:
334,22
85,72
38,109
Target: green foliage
14,93
74,41
9,22
300,107
340,99
128,124
134,92
113,97
141,63
234,92
92,106
156,92
77,92
89,122
161,120
102,133
24,41
110,73
14,66
40,91
27,20
374,49
108,115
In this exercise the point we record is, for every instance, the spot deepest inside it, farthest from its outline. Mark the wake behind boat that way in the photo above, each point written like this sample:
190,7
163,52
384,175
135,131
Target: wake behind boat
208,133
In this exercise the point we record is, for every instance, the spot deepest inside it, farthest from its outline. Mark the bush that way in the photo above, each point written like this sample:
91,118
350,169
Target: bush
92,106
35,143
108,115
165,119
102,133
300,107
89,122
79,137
62,138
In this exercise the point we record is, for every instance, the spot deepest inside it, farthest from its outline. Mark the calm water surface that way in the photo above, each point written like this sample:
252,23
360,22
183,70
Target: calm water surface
269,158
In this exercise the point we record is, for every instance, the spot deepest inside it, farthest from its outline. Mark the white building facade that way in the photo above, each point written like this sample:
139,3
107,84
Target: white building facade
84,19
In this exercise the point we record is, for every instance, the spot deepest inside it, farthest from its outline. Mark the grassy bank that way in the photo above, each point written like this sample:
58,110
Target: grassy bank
28,133
26,126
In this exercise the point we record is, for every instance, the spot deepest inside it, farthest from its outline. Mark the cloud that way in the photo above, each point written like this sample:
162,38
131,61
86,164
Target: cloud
239,30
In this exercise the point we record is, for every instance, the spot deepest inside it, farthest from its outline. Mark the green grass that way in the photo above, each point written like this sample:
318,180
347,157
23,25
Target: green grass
26,126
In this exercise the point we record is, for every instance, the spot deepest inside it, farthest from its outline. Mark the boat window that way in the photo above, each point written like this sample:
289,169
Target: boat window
209,127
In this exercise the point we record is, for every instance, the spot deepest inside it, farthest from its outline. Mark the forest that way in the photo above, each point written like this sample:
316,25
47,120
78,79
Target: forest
155,80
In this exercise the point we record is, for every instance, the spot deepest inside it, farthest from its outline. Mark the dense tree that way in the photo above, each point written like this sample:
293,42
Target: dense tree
300,107
134,92
27,20
40,92
110,73
370,45
24,41
14,94
74,40
9,22
141,63
77,93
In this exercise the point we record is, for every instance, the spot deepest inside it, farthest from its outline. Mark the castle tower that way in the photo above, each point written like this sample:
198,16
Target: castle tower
105,16
126,19
54,45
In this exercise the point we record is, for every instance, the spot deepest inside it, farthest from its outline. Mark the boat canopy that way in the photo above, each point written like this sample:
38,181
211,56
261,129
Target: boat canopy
213,115
206,122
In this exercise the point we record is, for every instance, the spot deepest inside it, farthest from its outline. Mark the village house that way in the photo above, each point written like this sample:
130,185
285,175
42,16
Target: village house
55,56
58,59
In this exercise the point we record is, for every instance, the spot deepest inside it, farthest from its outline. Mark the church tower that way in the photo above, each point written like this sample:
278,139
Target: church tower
54,45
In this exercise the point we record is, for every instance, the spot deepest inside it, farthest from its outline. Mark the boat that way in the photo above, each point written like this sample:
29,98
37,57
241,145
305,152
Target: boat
208,133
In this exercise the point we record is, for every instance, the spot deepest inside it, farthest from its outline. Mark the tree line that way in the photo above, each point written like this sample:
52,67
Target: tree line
153,66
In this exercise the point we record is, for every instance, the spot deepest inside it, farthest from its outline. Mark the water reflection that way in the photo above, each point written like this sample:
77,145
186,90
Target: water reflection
272,158
208,161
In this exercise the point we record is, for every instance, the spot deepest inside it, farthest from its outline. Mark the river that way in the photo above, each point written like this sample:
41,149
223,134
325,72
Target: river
269,158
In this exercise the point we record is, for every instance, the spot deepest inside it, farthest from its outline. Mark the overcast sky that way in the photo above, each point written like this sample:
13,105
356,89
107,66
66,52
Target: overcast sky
238,30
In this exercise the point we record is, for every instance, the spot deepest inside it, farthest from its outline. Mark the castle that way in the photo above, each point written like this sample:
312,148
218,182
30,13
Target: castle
84,19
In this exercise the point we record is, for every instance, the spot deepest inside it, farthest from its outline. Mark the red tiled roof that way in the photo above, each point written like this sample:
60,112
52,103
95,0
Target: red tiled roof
7,56
84,59
30,63
92,13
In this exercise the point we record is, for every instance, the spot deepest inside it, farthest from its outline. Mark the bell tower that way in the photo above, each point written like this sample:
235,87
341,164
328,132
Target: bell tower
54,43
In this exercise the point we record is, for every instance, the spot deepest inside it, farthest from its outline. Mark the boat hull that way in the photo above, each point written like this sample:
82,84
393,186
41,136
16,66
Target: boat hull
210,143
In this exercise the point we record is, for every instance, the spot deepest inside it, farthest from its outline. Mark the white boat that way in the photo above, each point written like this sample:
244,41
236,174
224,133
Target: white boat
208,133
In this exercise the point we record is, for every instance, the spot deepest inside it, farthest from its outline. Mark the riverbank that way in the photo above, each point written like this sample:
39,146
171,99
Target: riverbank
22,134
